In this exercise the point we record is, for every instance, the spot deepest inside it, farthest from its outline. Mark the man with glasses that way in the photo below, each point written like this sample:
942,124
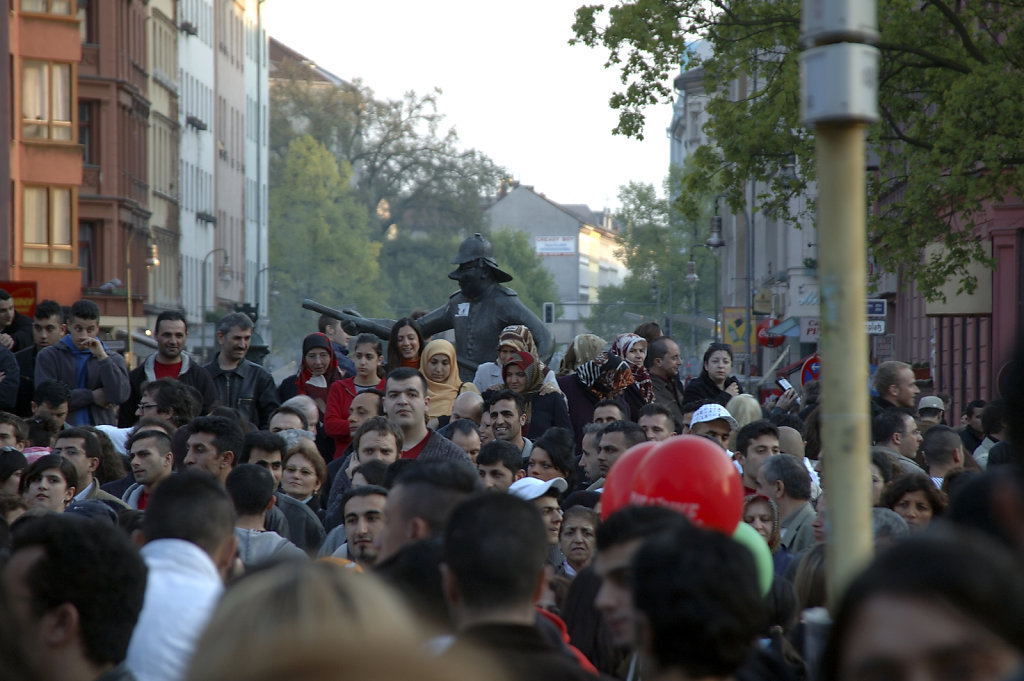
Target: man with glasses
170,400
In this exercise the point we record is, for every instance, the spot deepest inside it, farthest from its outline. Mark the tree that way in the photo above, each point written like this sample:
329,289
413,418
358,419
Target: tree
948,141
416,268
516,255
408,168
656,245
320,244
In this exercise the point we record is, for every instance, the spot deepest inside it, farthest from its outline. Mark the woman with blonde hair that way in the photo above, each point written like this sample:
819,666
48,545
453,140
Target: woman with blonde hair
745,409
271,621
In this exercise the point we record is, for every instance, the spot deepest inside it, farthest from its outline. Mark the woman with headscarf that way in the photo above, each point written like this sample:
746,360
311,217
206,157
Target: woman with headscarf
604,377
762,514
440,366
318,371
582,349
515,338
543,410
633,348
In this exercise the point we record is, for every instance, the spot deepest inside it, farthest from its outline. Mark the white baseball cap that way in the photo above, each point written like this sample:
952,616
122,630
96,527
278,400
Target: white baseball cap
533,488
713,412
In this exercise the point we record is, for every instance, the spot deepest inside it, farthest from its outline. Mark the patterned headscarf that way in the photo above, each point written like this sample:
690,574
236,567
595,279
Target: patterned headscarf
641,377
605,374
520,337
529,364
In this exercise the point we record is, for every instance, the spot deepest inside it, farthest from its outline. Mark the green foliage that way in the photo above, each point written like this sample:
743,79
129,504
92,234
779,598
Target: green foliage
948,142
408,168
516,255
320,245
416,268
656,244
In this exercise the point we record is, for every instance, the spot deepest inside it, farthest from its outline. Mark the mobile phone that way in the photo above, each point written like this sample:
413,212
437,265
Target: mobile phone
786,385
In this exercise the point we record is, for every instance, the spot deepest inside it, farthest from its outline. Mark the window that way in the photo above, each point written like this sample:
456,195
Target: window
86,21
86,247
88,122
47,6
47,225
46,100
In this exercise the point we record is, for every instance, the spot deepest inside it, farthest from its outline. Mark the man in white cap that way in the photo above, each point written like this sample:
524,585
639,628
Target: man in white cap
545,495
931,411
714,422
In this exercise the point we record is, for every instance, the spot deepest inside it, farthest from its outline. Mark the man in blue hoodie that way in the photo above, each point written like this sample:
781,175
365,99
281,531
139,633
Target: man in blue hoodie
98,378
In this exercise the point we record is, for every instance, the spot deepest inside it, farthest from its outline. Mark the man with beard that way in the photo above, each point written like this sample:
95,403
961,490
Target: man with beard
363,512
241,384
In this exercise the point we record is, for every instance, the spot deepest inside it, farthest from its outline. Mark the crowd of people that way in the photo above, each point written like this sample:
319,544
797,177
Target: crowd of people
375,514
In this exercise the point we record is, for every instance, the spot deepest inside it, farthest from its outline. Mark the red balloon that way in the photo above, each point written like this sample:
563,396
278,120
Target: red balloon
618,483
694,477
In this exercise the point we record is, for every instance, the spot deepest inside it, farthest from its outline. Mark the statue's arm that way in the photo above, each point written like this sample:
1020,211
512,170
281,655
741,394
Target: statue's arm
435,321
379,327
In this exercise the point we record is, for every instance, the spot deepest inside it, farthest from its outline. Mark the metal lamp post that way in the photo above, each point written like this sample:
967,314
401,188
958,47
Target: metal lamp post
713,243
225,277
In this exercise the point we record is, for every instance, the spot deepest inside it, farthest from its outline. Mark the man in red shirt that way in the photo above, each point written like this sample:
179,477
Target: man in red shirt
169,361
405,404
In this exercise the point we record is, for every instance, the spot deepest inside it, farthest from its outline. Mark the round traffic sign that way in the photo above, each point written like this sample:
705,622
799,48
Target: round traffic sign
811,370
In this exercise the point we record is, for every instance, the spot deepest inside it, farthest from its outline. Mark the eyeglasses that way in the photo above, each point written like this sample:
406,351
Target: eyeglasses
143,406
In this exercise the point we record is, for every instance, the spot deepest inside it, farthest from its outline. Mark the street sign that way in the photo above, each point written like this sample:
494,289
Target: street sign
810,330
811,370
876,307
875,327
762,334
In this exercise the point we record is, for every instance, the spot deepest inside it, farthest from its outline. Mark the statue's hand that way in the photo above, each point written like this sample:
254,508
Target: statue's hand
351,313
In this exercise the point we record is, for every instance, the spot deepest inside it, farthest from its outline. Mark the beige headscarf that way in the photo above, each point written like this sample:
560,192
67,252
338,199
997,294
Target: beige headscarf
442,395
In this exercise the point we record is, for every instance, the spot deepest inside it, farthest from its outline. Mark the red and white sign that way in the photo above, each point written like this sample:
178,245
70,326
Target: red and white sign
762,334
811,370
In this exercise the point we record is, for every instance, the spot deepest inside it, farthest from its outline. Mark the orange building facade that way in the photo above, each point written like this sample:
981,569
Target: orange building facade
46,158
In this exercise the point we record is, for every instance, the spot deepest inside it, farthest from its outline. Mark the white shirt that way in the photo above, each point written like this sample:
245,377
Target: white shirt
182,589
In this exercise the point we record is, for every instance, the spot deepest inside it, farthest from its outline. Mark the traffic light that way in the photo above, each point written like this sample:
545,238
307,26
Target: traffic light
549,313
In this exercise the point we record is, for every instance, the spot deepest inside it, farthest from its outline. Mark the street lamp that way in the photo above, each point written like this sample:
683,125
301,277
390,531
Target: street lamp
273,292
152,261
691,280
225,277
713,243
716,227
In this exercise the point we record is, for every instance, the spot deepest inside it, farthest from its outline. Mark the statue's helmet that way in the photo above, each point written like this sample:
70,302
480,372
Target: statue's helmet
478,249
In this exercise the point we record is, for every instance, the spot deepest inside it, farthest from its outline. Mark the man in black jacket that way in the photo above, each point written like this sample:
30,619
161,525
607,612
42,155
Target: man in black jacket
495,547
15,328
241,384
47,328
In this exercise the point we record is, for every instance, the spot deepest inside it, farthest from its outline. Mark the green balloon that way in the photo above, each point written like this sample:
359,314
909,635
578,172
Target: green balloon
758,547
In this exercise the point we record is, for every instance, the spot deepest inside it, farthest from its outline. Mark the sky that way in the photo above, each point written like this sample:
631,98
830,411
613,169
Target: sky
512,87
